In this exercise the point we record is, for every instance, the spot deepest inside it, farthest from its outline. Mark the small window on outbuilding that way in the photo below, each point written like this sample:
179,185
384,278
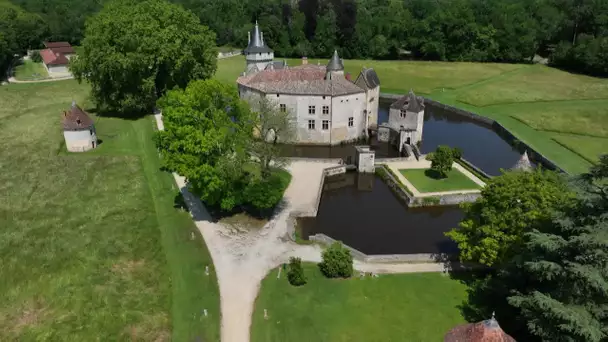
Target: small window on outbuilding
402,113
351,121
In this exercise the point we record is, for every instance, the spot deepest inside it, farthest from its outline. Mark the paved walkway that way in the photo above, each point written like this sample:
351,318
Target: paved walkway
14,80
243,258
425,164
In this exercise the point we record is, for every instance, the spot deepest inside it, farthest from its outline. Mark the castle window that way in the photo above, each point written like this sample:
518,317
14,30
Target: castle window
325,125
283,107
325,110
402,113
311,109
350,122
311,124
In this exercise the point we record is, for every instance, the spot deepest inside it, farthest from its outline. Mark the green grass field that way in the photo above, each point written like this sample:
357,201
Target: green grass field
30,70
534,102
403,307
92,246
424,181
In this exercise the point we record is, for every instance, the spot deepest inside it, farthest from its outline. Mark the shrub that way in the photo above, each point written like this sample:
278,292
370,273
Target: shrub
266,193
337,262
36,57
295,274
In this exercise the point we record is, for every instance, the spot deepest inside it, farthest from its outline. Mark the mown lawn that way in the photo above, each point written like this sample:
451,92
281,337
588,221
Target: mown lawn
400,307
589,148
30,70
92,246
425,180
395,76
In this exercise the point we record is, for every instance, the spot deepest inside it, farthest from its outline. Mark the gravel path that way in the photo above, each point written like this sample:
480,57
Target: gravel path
243,258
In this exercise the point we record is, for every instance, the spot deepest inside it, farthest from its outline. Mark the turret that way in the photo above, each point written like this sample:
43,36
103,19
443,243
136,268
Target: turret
334,67
257,54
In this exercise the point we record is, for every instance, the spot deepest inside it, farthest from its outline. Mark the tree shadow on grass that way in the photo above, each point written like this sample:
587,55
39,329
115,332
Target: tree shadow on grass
433,174
101,112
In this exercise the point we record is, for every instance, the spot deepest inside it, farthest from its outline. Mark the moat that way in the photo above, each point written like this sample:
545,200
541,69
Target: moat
361,210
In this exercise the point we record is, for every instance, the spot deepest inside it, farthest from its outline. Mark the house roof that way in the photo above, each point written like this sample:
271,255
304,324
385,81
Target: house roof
256,41
76,119
276,65
369,77
300,80
485,331
409,102
335,63
65,50
51,58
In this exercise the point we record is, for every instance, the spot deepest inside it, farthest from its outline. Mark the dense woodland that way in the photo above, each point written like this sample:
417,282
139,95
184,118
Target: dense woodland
572,32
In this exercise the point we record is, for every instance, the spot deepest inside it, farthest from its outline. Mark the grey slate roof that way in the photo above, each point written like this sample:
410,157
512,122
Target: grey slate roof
300,80
370,78
256,44
276,65
335,63
409,102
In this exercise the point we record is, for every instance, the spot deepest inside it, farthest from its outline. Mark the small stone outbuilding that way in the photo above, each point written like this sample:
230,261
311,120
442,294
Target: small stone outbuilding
485,331
78,130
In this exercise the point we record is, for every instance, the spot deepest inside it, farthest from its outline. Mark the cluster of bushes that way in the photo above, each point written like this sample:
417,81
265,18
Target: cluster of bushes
337,263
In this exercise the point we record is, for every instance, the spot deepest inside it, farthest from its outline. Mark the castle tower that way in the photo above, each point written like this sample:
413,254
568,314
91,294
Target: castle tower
257,54
334,67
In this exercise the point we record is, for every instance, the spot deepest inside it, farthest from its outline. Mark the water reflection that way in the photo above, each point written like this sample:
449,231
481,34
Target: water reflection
361,211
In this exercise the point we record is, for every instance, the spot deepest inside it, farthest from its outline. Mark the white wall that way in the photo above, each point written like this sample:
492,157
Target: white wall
261,59
57,68
80,141
340,109
371,104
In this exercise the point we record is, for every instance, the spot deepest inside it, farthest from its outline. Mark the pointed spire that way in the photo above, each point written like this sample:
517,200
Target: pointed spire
335,63
523,164
256,41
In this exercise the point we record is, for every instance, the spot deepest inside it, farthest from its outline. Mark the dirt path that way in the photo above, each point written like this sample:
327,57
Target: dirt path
243,258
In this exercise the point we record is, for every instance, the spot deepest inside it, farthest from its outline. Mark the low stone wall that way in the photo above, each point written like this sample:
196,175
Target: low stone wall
395,185
387,258
454,199
500,129
335,170
472,166
317,160
390,160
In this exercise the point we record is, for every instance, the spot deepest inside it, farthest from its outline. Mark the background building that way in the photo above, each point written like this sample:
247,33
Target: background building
78,130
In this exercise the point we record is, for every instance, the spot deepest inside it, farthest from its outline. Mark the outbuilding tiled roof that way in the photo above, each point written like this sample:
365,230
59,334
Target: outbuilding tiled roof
409,102
301,80
76,119
485,331
52,45
51,58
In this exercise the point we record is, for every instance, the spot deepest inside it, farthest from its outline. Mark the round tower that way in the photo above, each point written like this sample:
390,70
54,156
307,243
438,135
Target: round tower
257,54
335,66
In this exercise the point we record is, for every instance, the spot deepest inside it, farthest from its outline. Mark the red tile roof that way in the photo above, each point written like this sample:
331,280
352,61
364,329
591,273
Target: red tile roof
76,119
64,50
304,79
486,331
51,58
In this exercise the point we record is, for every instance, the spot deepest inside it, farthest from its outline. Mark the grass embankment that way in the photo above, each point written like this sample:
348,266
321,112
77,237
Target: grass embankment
399,307
92,247
29,70
425,180
536,103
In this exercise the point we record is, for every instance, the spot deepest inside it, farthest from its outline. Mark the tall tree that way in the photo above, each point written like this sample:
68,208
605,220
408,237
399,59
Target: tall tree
511,205
134,51
207,129
326,33
566,267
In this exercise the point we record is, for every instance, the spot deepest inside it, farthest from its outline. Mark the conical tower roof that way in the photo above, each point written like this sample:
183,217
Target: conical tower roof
523,164
485,331
256,43
335,63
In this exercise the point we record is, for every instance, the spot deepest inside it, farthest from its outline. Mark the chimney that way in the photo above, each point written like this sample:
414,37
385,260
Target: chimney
347,76
304,60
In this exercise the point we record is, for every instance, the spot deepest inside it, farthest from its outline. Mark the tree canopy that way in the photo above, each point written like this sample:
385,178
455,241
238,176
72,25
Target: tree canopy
572,33
510,205
134,51
442,159
210,137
